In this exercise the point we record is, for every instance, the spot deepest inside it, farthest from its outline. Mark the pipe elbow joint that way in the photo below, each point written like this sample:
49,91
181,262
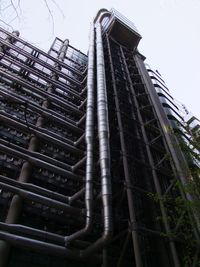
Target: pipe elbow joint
69,239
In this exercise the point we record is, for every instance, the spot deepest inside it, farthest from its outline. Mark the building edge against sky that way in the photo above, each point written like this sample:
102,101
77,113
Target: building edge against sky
89,163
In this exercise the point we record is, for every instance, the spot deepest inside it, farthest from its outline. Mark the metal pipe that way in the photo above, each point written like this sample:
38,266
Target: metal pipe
17,187
41,199
79,164
100,13
43,191
44,64
103,131
78,142
65,88
26,84
89,136
36,189
104,149
83,91
38,156
76,196
24,230
40,163
9,40
39,246
41,234
84,102
42,133
47,236
38,50
16,203
44,112
135,237
47,248
82,119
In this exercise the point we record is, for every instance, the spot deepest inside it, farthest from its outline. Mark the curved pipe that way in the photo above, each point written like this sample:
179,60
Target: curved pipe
89,143
47,248
99,14
57,239
104,148
103,132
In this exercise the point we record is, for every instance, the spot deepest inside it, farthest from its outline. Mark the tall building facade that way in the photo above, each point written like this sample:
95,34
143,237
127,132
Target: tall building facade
185,126
92,173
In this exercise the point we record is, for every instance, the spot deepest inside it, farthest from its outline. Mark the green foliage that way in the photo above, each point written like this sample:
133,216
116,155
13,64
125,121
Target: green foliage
180,212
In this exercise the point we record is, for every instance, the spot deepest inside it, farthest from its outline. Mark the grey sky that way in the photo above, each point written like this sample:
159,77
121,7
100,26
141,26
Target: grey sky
170,31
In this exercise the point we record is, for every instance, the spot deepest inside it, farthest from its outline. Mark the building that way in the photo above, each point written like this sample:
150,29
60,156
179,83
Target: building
185,125
91,171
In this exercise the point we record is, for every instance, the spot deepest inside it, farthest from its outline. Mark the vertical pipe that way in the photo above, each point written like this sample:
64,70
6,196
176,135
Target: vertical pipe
104,148
89,133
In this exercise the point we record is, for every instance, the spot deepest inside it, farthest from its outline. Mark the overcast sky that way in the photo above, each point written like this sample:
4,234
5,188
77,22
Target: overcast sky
170,31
